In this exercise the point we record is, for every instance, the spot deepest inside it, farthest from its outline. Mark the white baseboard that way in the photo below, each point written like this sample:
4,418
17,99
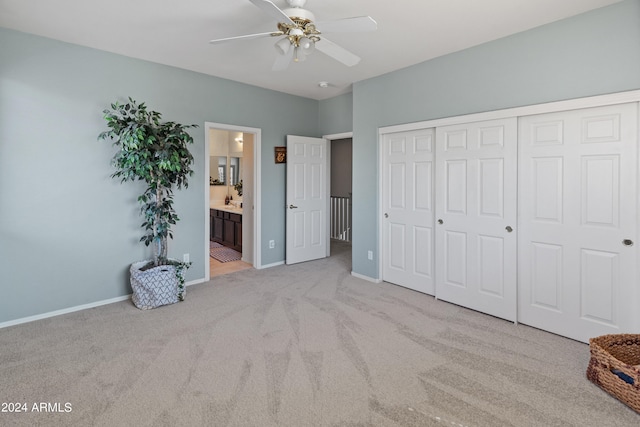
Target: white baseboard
194,282
275,264
77,308
63,311
367,278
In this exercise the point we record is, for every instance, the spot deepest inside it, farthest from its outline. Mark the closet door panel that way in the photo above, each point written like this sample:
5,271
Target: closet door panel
476,216
577,207
491,188
407,200
546,276
491,265
455,259
456,187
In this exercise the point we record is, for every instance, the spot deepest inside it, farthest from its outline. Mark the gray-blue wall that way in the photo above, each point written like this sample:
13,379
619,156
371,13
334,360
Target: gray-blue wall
336,114
594,53
68,232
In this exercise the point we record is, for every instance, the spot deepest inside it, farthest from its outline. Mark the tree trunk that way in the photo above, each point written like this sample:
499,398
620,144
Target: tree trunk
160,247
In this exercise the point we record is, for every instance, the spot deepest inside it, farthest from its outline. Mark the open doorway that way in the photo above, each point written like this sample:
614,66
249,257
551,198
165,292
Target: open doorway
340,188
318,187
232,197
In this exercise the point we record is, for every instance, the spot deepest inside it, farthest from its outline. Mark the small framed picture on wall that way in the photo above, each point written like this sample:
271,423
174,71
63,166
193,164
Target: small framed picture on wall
281,154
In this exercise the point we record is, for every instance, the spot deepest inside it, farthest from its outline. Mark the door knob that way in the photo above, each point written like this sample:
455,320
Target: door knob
386,215
627,242
508,228
440,221
293,207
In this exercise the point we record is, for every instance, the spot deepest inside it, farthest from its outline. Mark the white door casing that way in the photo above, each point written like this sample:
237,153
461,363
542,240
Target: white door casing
475,181
251,236
248,171
307,199
577,204
407,203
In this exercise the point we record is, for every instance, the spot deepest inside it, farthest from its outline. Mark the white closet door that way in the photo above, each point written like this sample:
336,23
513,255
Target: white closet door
476,216
407,203
577,208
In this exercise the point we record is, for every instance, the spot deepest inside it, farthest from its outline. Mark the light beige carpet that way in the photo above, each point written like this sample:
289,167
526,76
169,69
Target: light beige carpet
301,345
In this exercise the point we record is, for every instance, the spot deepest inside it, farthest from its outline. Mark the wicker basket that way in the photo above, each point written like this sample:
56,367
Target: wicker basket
615,366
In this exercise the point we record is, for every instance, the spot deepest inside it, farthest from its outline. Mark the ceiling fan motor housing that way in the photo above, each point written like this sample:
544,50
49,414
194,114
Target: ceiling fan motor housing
298,13
296,3
304,29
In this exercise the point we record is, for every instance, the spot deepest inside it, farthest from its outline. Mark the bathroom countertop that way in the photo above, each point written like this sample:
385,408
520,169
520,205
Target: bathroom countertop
227,208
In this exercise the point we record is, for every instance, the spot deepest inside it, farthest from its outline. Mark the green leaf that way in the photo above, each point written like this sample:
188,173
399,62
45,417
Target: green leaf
152,151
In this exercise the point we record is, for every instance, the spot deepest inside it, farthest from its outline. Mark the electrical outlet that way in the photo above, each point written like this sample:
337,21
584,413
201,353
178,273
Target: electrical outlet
185,258
370,255
272,244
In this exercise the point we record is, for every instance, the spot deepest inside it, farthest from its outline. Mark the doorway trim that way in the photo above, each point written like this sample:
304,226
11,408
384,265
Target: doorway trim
335,136
255,209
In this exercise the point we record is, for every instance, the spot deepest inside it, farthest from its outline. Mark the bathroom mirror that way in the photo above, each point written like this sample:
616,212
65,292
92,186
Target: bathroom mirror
225,163
235,174
218,170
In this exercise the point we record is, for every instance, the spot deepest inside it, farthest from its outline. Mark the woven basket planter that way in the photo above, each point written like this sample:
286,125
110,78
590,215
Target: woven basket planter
615,366
156,286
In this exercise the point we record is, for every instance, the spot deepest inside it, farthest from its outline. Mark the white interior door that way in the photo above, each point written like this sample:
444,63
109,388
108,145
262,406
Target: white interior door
407,200
307,199
577,186
476,216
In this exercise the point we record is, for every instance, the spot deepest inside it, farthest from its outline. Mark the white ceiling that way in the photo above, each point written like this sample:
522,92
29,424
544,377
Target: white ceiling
176,33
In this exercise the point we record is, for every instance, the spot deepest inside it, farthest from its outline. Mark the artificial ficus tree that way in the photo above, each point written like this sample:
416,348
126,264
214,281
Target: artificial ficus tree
157,153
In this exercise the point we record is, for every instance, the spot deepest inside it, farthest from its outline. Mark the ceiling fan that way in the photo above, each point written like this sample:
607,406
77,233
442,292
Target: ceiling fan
300,35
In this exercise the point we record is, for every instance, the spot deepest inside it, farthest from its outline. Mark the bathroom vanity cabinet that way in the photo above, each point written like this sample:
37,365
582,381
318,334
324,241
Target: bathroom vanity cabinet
226,228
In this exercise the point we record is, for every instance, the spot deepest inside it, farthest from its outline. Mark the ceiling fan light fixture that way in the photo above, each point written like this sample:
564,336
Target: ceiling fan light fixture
301,35
296,32
306,45
283,45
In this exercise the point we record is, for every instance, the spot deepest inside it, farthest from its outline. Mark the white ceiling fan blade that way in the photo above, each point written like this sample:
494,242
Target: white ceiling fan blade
273,10
348,25
283,60
246,37
336,52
